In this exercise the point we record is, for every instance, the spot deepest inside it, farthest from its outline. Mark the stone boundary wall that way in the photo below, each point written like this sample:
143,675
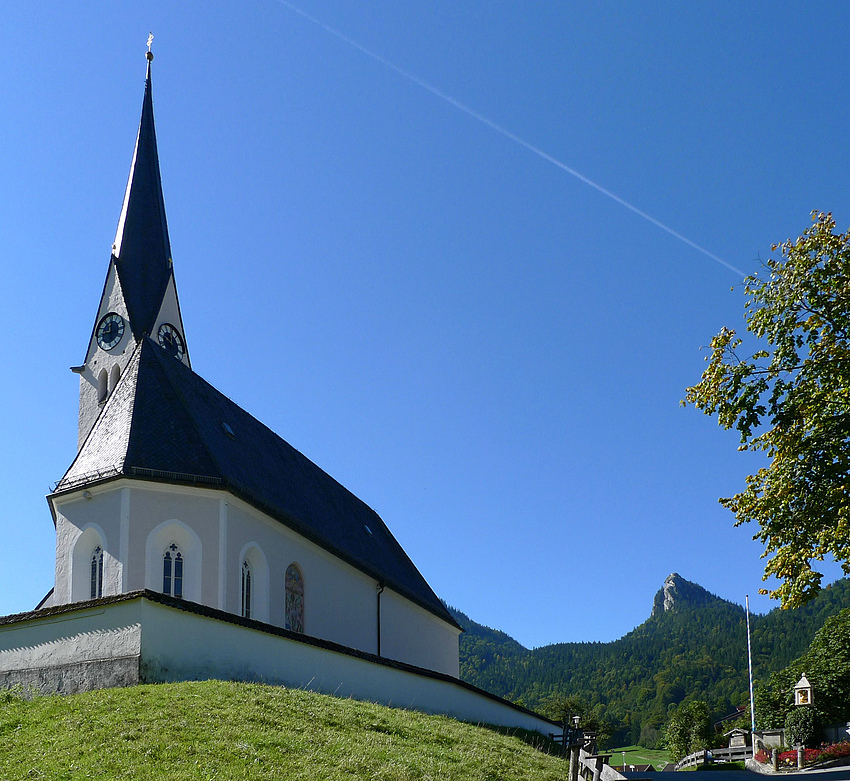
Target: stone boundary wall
73,677
62,651
146,637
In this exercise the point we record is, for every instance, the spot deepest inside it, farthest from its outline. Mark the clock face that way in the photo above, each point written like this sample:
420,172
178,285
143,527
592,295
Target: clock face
171,341
110,330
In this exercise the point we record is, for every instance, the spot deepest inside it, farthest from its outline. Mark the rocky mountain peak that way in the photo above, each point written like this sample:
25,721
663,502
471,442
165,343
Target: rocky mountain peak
677,592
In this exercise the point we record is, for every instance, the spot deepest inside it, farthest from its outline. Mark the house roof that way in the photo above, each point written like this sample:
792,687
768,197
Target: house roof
164,422
142,251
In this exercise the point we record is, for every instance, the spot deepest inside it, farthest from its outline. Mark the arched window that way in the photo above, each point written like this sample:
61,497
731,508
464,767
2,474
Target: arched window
102,385
294,603
87,568
190,567
114,376
246,589
172,571
97,573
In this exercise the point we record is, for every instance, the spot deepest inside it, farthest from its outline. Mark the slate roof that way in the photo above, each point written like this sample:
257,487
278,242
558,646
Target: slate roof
163,421
142,252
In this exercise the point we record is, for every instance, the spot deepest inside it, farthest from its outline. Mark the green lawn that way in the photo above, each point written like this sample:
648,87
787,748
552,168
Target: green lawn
218,730
638,755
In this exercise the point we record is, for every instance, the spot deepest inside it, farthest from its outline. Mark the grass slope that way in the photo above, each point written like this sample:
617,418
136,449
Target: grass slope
219,730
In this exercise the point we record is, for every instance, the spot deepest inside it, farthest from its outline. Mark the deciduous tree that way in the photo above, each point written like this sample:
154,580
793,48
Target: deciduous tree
562,707
826,665
790,399
688,730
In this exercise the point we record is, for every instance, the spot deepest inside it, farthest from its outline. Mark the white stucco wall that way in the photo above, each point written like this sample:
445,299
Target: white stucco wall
78,516
173,644
215,532
177,645
87,635
340,602
403,627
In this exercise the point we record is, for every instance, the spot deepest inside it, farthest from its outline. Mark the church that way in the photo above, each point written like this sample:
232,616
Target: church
193,542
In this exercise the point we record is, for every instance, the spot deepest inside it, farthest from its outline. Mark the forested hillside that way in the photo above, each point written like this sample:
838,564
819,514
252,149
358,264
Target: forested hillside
693,646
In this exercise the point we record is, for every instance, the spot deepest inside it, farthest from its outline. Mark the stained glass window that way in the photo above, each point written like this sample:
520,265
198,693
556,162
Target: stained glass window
294,599
172,572
97,573
246,589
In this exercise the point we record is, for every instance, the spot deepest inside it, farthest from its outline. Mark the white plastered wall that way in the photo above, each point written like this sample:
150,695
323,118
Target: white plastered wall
161,514
173,644
411,634
340,602
82,524
88,635
215,532
209,648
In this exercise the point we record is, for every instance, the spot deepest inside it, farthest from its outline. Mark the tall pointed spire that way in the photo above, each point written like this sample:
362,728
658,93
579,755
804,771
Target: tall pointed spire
139,295
142,251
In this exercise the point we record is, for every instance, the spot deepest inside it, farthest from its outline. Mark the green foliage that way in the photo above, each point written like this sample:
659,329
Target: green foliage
562,707
651,733
773,701
695,651
801,726
826,664
688,730
791,400
219,730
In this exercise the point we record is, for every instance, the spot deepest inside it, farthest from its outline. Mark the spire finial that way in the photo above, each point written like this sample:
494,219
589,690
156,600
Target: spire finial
149,53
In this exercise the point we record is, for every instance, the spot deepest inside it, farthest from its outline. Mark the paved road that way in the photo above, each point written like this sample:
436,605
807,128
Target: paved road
838,774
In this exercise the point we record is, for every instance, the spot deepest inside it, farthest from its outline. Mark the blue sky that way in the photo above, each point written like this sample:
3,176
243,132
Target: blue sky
487,350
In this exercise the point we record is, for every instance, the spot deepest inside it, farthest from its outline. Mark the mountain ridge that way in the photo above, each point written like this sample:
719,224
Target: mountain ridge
692,646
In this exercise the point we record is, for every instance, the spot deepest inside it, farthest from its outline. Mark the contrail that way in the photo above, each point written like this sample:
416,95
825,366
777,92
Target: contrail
512,136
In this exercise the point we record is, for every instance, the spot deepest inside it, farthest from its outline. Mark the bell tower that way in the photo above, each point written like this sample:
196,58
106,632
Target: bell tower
139,296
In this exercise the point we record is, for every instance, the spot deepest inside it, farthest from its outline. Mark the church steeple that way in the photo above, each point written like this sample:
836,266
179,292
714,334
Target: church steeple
140,295
142,251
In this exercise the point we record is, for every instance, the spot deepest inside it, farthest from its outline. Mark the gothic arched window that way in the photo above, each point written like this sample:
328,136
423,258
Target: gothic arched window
294,603
97,573
172,571
246,589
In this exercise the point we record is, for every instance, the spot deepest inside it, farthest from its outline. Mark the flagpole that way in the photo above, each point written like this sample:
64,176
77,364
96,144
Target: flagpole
750,660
